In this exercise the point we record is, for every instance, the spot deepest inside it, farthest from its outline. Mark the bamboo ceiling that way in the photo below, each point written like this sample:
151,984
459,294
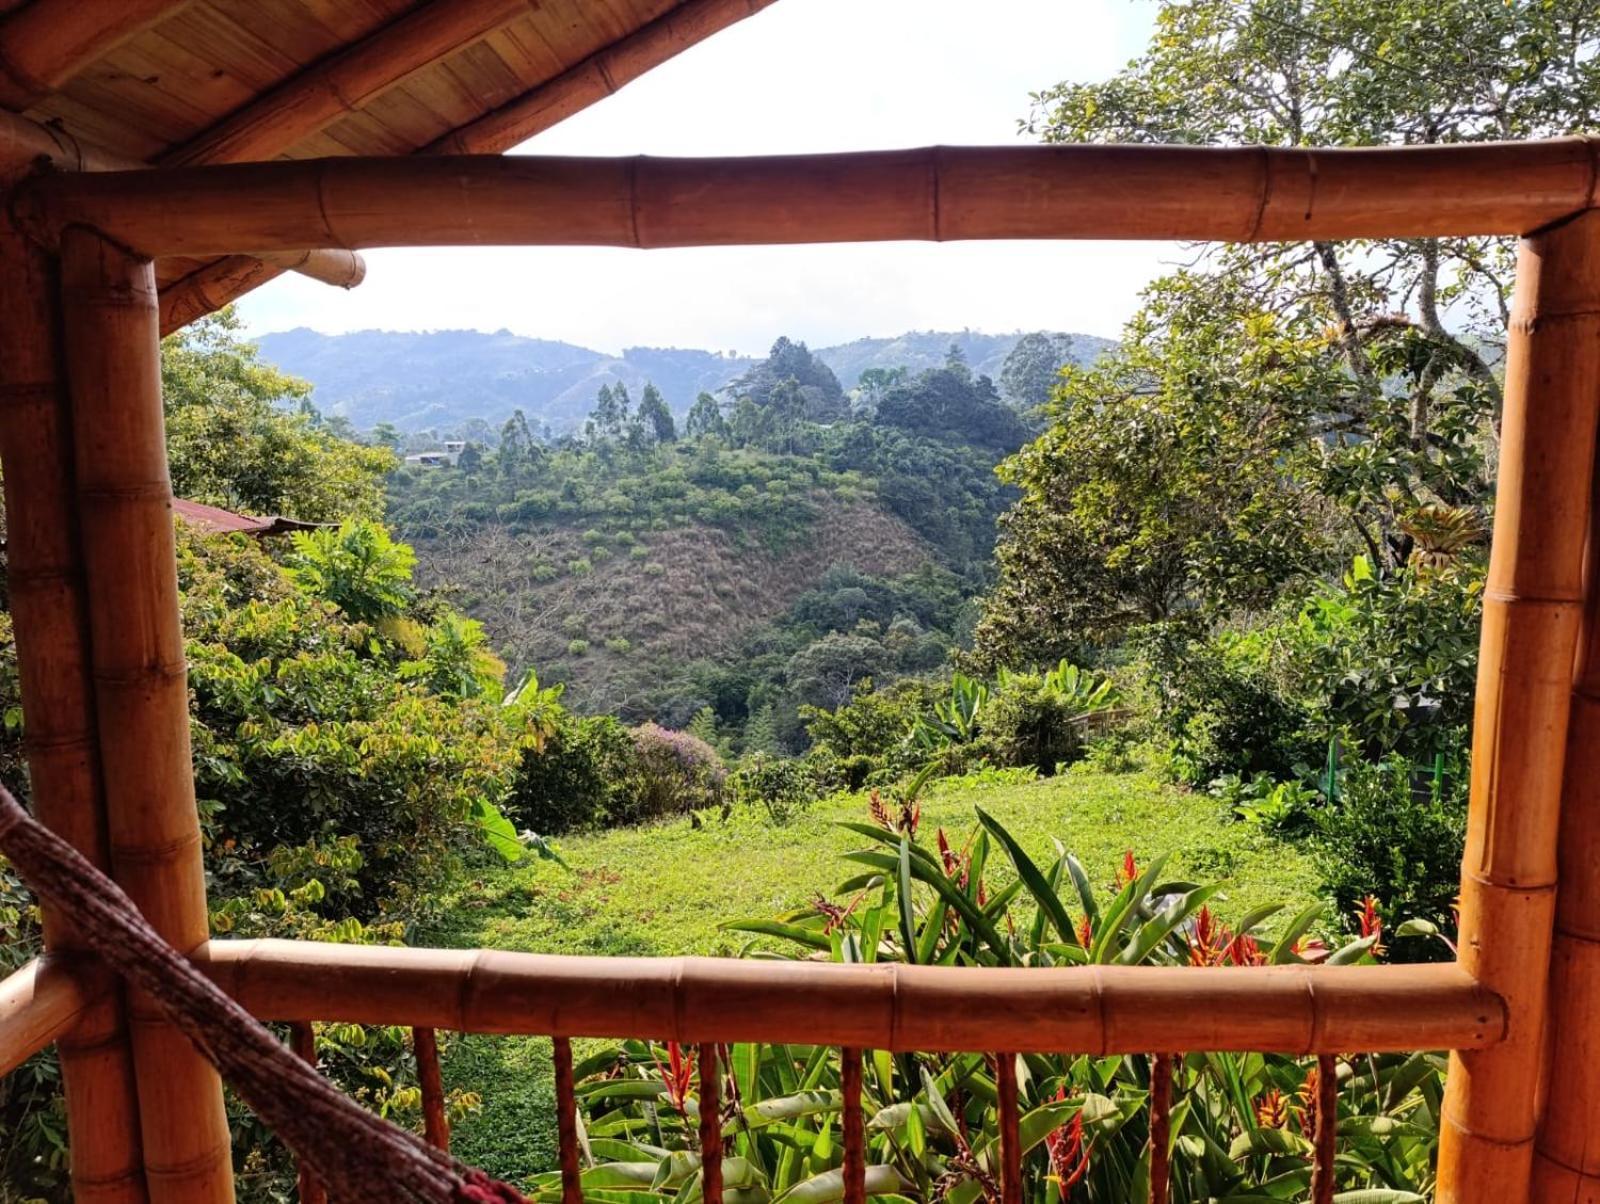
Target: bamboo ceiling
215,81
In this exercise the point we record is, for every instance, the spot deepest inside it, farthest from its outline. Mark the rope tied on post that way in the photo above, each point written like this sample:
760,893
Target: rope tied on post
359,1157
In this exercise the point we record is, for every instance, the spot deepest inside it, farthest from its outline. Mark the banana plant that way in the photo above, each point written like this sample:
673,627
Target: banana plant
1239,1123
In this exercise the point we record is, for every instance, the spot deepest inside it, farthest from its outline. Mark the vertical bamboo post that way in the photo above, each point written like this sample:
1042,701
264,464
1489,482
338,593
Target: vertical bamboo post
1531,612
710,1126
1160,1126
141,691
854,1167
436,1124
567,1122
1009,1116
303,1039
1325,1137
47,606
1566,1161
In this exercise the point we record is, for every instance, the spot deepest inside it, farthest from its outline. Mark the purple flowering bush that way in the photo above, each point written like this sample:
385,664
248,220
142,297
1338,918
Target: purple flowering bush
674,773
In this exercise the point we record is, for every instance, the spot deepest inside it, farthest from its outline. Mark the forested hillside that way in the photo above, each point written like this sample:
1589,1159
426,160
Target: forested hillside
781,543
458,380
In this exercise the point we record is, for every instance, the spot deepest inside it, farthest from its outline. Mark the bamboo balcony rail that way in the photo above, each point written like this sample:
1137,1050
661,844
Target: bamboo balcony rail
1096,1010
1256,194
44,1000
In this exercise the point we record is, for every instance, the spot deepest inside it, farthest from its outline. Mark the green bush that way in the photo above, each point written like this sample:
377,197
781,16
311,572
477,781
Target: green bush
783,786
579,780
1028,724
1397,840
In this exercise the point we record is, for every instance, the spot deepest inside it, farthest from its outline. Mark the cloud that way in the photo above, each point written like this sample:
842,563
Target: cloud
804,75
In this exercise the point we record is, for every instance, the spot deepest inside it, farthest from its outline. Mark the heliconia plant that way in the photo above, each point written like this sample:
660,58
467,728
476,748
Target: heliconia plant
1240,1123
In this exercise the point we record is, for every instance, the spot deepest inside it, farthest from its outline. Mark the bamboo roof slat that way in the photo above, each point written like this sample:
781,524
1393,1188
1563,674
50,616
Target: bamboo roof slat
1132,1009
47,42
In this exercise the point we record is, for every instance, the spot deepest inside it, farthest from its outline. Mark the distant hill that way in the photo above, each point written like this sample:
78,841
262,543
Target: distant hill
445,379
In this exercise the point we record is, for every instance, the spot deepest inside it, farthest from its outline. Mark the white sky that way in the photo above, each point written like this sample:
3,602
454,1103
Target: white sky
801,76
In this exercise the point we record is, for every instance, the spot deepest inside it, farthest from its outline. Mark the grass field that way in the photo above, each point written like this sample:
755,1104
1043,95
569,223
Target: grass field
667,889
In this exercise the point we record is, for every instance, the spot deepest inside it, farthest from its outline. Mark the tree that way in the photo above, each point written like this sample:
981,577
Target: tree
822,397
824,673
705,419
655,417
357,567
1032,369
233,440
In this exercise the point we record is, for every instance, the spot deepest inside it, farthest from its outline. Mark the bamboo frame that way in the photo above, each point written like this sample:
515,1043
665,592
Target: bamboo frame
853,1163
42,1001
48,604
435,1121
1566,1163
303,1040
567,1122
1532,607
141,695
1092,1009
936,193
1008,1121
710,1105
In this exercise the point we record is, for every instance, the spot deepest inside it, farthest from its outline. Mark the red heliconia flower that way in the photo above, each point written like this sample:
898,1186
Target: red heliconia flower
1129,871
1272,1110
836,915
1244,951
1371,924
677,1074
1069,1153
879,813
910,816
1310,948
1085,932
1206,939
1307,1110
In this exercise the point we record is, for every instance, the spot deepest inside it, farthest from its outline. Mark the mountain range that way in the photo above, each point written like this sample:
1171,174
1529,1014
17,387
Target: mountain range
447,380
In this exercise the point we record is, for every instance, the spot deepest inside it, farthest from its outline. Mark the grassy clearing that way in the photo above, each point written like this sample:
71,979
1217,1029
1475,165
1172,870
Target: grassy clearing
667,888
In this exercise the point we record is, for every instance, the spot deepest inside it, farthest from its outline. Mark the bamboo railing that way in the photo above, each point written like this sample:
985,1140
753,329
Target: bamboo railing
112,647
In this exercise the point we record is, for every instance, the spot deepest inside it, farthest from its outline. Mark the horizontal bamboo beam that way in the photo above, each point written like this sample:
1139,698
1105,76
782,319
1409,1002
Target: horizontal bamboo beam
45,43
600,75
26,145
938,193
42,1001
1110,1009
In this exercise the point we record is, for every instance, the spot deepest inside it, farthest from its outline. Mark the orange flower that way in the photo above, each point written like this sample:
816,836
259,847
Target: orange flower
1085,932
1069,1153
1272,1112
677,1074
1129,871
1371,924
1244,951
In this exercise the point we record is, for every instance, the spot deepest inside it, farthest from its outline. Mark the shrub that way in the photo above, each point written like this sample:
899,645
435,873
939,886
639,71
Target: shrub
579,780
1397,842
785,787
577,647
673,773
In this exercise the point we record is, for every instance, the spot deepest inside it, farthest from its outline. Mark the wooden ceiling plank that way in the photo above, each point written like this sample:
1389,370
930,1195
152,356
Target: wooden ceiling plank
343,84
596,77
46,43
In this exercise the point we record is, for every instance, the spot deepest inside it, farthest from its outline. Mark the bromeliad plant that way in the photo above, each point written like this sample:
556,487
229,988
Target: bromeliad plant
1240,1123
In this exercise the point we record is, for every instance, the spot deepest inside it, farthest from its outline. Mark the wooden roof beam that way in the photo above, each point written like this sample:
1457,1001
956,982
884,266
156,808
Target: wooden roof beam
935,194
42,1001
45,43
596,77
345,82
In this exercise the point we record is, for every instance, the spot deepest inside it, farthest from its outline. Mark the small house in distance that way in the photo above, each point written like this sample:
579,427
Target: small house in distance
440,459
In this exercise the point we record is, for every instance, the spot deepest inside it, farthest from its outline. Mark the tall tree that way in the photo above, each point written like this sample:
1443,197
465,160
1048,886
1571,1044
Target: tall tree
242,435
655,417
705,419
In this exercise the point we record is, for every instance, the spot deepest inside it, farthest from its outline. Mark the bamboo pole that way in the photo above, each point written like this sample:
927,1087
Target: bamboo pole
567,1122
853,1166
303,1040
46,588
1008,1121
1566,1162
596,77
435,1123
1532,608
1093,1009
937,193
1325,1137
47,42
141,692
710,1105
1160,1127
42,1001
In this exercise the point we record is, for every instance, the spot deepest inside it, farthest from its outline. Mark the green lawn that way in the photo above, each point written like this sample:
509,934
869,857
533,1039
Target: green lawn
667,888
